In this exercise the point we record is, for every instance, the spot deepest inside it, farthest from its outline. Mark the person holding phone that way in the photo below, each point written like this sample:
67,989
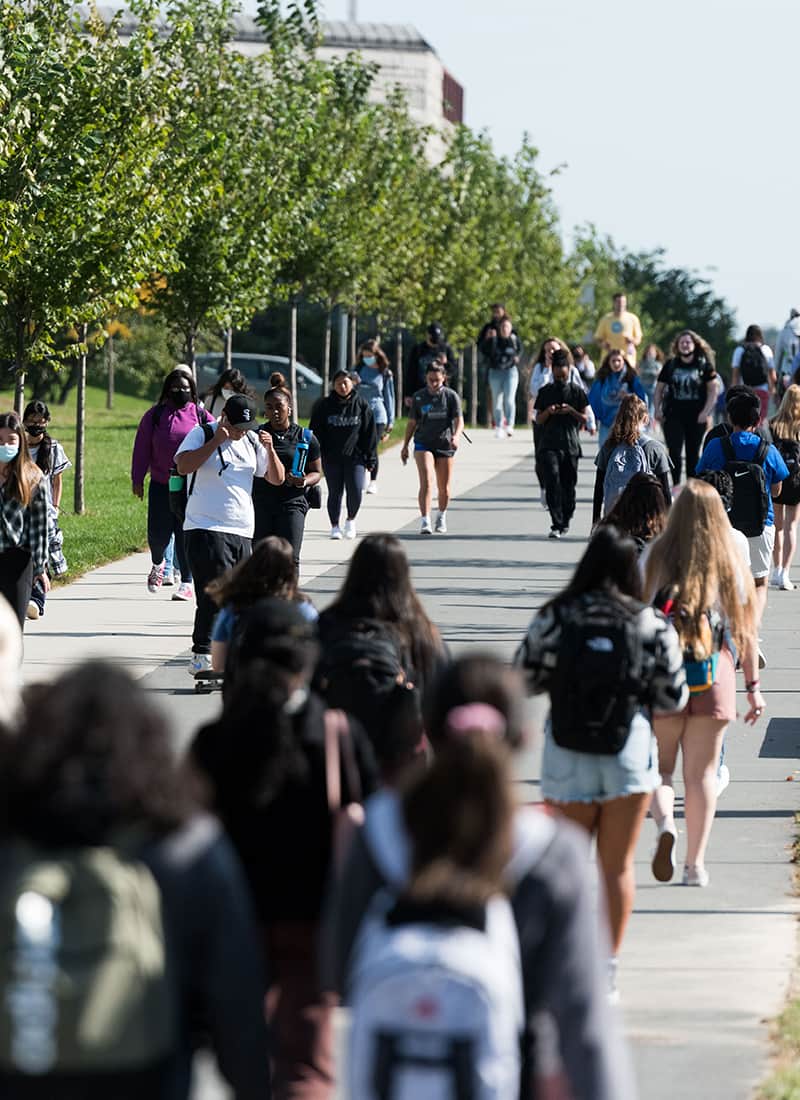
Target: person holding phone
560,414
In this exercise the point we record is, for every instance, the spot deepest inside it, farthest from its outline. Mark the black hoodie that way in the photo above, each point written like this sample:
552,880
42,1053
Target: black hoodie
345,428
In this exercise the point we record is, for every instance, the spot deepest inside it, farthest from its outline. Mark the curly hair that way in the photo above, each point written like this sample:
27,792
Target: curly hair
707,352
629,421
641,510
269,571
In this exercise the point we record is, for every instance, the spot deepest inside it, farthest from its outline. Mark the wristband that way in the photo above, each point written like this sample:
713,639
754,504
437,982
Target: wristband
752,686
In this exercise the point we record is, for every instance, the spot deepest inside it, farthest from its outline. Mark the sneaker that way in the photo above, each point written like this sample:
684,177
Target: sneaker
723,778
155,578
33,610
663,862
425,526
695,876
336,532
184,591
762,660
555,533
786,583
349,528
776,579
372,487
565,530
499,433
441,523
169,578
510,433
613,989
199,662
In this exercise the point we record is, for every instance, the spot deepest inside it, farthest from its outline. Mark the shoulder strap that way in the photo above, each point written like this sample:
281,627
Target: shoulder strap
208,433
762,452
337,737
727,448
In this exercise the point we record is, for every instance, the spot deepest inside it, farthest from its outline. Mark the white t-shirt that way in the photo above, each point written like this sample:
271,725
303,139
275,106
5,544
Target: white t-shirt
766,351
221,499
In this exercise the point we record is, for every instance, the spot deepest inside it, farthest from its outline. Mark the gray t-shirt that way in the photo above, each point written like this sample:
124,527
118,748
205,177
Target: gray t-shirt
435,414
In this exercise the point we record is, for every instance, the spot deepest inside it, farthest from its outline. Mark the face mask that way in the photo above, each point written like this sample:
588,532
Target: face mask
226,394
368,360
180,397
8,451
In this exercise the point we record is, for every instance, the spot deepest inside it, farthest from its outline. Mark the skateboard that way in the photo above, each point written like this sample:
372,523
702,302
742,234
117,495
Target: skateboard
207,681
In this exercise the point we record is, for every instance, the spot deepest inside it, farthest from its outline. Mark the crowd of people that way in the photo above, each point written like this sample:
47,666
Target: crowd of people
347,829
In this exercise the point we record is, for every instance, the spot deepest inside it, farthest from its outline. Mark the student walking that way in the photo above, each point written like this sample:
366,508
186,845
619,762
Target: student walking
626,452
649,368
753,365
161,431
619,330
584,365
435,422
541,375
695,574
615,379
230,382
431,349
599,767
785,428
24,507
376,386
50,457
281,510
345,427
503,352
641,510
560,414
686,393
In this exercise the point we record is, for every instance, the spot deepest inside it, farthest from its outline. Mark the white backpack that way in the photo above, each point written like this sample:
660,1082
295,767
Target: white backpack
624,461
437,1010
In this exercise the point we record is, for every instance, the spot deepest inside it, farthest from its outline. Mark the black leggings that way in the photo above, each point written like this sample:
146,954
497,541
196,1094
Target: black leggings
343,474
679,431
161,526
16,580
287,522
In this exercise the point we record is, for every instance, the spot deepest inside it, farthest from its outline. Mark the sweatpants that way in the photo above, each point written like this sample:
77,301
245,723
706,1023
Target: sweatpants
680,431
559,470
287,522
210,554
162,525
343,475
16,580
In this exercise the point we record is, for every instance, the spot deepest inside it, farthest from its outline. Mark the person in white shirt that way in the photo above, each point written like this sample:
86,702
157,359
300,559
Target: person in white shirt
753,365
220,519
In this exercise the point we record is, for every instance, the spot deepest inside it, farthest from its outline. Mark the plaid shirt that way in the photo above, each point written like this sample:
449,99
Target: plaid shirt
25,527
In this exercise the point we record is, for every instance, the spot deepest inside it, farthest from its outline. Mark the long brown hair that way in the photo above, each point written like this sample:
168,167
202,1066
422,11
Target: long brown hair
641,510
372,347
700,345
697,556
23,474
629,421
269,571
628,370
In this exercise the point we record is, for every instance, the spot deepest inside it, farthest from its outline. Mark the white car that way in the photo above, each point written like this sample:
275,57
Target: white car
257,370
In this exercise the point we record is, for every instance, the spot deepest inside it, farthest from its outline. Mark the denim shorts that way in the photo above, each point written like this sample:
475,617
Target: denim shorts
569,776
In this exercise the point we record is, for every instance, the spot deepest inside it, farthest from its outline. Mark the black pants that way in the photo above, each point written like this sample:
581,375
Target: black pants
16,580
210,554
343,474
161,526
537,432
559,471
287,522
680,430
373,474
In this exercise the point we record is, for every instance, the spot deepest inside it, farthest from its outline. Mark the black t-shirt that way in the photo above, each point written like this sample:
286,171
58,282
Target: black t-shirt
272,496
561,432
435,414
686,385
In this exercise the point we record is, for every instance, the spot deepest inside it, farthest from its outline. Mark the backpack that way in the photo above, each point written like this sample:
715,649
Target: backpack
626,460
750,493
178,492
360,665
753,365
82,963
598,681
700,658
790,453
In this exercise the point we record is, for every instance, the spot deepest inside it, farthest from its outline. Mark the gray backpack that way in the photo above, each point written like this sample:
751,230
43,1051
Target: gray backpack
626,460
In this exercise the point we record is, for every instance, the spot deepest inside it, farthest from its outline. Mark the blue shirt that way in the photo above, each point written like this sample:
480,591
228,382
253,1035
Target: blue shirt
605,396
225,621
745,446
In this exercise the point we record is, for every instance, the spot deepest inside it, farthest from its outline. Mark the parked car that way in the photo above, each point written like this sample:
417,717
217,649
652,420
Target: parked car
257,370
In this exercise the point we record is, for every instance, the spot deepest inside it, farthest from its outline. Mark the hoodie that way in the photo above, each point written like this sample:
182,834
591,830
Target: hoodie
345,428
787,346
161,431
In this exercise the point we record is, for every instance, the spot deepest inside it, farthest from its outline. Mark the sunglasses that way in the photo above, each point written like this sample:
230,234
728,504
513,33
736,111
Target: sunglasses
35,429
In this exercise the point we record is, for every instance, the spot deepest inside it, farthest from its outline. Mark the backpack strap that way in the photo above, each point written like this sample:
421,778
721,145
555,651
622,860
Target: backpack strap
762,452
208,432
727,448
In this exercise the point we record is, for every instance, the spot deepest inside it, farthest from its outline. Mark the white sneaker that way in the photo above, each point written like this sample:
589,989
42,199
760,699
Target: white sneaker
372,487
349,528
723,778
786,583
425,527
499,433
510,433
169,578
663,862
200,662
762,660
336,532
33,610
776,580
441,523
695,876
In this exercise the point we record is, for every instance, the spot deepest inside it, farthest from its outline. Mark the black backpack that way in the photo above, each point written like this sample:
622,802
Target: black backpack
790,453
359,668
178,492
753,365
750,493
598,682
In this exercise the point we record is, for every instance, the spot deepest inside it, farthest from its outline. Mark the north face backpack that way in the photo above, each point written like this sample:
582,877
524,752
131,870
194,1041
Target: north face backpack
598,682
753,365
82,963
750,493
626,460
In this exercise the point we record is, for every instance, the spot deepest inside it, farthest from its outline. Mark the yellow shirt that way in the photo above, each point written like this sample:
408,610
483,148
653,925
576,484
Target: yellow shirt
621,333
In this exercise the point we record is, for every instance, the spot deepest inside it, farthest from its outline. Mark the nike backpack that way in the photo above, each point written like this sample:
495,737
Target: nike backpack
750,492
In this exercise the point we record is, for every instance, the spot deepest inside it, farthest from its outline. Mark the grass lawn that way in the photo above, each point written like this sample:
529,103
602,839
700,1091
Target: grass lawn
115,521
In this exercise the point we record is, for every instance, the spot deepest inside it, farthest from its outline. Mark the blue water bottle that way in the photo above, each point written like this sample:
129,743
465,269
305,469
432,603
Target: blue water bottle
300,459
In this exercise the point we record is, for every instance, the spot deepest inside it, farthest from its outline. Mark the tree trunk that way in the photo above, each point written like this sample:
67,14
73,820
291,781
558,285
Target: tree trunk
326,354
19,366
344,317
293,353
398,372
353,336
473,410
461,374
228,347
80,429
110,358
191,340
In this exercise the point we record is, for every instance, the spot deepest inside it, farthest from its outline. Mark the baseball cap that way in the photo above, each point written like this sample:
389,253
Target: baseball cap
238,412
435,331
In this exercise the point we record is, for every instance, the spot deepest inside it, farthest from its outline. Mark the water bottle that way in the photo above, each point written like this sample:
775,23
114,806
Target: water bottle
300,459
176,481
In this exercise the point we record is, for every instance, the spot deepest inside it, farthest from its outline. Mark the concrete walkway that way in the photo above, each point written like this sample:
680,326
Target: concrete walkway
702,971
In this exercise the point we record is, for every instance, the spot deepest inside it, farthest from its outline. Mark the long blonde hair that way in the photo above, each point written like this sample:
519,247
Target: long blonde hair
696,555
786,422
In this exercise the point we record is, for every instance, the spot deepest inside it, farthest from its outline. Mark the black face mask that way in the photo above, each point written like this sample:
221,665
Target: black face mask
180,397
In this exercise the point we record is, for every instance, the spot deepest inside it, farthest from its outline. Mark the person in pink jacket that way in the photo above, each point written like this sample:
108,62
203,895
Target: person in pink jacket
161,431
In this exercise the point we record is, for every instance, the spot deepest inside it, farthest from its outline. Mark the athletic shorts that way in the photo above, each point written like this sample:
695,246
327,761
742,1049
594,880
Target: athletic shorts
569,776
761,552
435,453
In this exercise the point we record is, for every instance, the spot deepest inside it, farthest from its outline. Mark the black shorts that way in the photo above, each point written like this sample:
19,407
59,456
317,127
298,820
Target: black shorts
436,453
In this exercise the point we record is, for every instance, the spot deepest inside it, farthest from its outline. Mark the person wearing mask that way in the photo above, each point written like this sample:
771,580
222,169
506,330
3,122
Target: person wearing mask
753,365
282,509
421,356
787,346
649,369
220,465
230,382
560,414
50,457
435,422
627,452
345,427
686,393
376,386
613,382
584,365
161,431
25,508
785,428
619,330
503,352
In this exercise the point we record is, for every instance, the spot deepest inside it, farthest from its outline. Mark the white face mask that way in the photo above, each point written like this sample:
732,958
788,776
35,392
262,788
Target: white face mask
226,393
